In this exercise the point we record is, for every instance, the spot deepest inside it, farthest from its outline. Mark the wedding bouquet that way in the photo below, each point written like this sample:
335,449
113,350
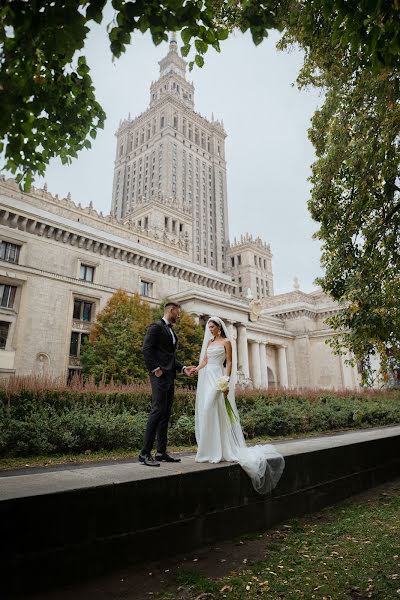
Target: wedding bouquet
223,385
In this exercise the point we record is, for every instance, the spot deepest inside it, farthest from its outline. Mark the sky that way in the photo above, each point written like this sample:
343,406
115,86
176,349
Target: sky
267,150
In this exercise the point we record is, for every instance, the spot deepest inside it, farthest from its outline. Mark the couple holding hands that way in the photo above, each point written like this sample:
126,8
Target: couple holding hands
219,435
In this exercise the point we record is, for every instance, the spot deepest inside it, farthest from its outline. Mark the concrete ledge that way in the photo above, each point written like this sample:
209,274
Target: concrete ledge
70,523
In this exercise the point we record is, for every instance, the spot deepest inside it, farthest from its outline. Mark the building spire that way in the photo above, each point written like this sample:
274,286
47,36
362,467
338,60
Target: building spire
173,45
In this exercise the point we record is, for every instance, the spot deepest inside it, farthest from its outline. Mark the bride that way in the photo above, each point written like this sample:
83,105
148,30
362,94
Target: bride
218,432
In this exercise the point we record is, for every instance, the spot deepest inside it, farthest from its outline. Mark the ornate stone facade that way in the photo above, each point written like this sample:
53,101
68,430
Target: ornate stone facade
166,236
172,152
249,261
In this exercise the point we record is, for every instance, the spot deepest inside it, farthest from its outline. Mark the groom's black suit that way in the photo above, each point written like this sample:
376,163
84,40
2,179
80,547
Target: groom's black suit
159,350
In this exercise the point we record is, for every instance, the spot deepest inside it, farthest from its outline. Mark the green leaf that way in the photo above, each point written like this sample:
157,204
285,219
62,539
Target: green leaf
222,34
199,60
186,36
201,46
94,13
28,181
185,49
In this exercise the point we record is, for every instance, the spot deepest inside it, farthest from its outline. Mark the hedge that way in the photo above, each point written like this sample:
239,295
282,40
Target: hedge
34,422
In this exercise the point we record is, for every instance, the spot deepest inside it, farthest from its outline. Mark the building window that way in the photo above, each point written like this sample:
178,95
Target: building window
146,288
232,261
4,327
7,295
86,273
9,252
77,341
239,259
83,310
255,260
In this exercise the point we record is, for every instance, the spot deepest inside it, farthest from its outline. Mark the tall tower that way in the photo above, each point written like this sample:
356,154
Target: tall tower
249,261
171,152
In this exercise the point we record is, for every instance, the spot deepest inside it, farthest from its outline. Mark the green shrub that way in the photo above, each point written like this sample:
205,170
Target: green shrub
46,421
182,433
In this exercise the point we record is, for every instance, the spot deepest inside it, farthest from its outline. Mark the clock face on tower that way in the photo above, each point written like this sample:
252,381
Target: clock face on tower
172,69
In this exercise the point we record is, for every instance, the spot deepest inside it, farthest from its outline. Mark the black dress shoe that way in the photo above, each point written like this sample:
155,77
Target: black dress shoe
148,460
165,457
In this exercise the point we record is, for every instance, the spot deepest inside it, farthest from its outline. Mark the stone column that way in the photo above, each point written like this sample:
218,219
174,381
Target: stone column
263,365
282,366
255,361
196,317
232,335
243,357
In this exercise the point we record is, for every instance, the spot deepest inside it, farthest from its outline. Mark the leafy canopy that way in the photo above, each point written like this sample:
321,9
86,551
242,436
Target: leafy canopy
352,51
114,349
355,194
47,96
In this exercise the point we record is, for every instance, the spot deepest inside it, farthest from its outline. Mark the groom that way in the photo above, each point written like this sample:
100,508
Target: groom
159,349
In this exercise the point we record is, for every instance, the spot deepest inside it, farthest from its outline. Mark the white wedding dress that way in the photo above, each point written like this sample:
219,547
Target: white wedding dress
218,440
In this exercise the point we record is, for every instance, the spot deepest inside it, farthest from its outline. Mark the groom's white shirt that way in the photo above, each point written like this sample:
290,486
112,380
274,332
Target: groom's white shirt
170,330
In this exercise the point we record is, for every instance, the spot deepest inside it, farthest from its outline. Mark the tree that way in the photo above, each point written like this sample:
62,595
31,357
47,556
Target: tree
356,195
46,92
114,349
356,200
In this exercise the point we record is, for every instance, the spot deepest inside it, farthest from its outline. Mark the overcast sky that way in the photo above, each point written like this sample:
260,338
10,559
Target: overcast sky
267,149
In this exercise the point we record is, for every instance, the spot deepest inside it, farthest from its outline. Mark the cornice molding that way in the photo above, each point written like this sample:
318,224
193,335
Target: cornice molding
64,234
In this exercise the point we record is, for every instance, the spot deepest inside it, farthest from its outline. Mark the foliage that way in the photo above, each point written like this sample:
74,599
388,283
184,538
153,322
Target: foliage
52,421
355,192
48,104
46,93
114,349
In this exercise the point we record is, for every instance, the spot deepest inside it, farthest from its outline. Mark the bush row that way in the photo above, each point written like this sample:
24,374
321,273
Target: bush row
54,421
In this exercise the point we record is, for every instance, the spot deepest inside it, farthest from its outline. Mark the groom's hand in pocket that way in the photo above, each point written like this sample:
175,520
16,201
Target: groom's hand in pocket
158,372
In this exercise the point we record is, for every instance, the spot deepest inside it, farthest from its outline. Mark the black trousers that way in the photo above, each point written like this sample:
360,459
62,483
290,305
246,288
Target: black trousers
163,389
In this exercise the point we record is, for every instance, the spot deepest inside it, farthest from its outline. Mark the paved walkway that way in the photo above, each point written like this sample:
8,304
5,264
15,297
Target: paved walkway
40,482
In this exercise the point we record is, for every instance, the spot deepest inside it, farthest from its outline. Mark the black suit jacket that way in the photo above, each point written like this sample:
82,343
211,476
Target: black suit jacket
159,349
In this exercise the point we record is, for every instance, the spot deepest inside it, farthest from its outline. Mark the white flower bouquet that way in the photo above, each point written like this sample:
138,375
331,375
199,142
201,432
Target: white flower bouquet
222,386
223,383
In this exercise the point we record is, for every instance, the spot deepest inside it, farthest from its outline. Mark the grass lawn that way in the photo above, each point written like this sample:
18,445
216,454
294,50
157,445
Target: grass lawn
348,552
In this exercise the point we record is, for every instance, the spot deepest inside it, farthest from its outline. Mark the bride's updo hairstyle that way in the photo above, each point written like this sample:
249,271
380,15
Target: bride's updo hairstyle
221,329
